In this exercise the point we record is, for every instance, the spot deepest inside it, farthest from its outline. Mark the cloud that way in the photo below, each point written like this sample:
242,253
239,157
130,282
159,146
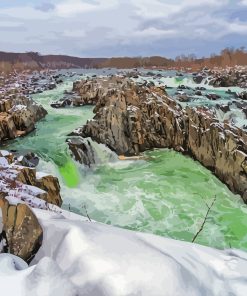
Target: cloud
74,33
9,24
45,6
70,8
154,32
123,27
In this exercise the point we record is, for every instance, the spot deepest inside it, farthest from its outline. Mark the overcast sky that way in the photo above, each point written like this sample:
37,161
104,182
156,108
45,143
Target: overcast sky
104,28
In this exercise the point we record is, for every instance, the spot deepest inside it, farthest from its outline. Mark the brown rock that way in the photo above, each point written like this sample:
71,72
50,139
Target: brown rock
51,185
21,229
18,115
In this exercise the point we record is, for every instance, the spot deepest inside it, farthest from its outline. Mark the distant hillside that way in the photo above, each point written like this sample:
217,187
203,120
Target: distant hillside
35,61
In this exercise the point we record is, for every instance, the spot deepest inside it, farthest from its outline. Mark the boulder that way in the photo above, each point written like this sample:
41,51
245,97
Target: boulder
21,230
82,151
49,184
212,96
243,95
198,79
28,160
18,115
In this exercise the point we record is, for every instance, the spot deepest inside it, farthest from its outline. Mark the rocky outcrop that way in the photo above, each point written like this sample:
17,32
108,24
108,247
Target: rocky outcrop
82,151
85,92
234,76
243,95
130,119
18,114
26,184
51,186
21,234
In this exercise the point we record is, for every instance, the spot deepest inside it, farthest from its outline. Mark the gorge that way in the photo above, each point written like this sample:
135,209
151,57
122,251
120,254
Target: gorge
173,206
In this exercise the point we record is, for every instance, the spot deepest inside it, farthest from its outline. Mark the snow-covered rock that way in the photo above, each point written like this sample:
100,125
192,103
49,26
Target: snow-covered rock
79,257
25,183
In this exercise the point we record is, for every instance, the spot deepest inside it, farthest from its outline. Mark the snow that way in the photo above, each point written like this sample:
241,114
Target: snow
79,257
44,279
3,162
17,108
4,153
40,175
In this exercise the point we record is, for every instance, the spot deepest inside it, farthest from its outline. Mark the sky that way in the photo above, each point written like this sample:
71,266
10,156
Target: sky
107,28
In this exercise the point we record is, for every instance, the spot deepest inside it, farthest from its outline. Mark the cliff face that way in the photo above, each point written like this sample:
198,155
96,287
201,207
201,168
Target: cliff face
132,118
18,114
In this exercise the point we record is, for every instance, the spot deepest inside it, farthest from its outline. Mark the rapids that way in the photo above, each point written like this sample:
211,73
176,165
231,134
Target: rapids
165,194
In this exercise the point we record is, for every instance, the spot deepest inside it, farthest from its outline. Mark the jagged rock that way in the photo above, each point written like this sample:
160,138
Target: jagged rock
50,185
7,127
198,93
83,95
21,230
198,78
228,77
130,118
200,88
26,184
213,96
243,95
82,151
63,103
18,115
28,160
224,108
183,98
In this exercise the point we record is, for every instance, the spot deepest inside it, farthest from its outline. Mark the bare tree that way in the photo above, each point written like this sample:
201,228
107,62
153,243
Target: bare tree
205,219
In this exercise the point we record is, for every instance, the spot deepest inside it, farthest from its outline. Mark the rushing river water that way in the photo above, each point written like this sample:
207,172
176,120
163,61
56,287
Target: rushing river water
165,194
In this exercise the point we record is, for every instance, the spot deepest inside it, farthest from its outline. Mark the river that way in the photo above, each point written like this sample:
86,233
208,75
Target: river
166,194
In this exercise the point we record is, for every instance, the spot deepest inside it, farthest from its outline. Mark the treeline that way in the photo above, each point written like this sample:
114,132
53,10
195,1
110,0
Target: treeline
228,57
34,61
137,62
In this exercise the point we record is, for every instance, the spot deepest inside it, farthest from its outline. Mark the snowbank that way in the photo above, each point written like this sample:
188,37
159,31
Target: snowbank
79,257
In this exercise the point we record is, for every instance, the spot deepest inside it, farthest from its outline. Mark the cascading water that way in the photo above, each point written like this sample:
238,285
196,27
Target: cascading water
165,193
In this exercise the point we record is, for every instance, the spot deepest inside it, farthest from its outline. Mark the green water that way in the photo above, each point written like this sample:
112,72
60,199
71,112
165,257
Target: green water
49,138
165,194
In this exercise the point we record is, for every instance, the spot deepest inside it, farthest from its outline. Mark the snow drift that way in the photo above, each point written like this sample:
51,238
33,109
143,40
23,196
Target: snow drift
79,257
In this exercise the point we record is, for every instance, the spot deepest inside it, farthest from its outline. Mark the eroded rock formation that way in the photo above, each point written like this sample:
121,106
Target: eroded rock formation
82,151
21,234
85,92
18,114
26,184
224,77
131,118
